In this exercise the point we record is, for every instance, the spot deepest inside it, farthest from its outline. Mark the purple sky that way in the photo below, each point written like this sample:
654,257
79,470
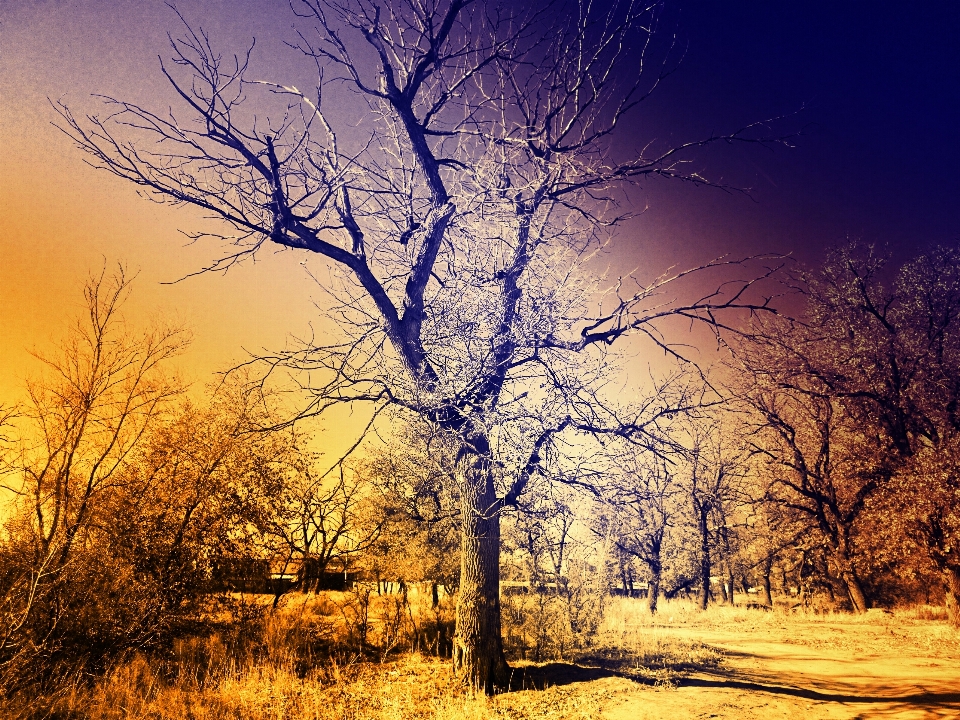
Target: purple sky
879,84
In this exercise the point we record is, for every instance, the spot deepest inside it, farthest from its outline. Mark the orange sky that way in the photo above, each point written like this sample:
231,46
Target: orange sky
56,226
60,219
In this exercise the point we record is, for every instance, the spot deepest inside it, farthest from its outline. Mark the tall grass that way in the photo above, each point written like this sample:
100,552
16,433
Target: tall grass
412,687
353,656
337,655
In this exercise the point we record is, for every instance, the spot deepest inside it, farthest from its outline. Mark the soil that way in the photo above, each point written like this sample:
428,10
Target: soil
879,666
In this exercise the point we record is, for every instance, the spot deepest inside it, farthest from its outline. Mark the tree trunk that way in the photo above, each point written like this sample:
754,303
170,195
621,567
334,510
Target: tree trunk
858,599
767,570
951,577
704,557
477,644
623,577
656,567
654,593
729,585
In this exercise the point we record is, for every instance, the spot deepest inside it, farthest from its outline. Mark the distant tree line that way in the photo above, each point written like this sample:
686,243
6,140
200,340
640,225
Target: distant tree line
831,466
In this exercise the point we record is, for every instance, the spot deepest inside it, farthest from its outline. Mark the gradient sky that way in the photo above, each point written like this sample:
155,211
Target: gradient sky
876,84
879,84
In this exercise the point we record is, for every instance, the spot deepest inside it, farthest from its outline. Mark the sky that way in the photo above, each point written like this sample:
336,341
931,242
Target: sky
876,91
872,90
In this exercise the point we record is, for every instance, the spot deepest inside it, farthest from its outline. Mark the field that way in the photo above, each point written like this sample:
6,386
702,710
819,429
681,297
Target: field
728,662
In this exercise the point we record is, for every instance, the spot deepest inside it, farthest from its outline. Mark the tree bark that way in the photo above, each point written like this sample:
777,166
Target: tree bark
767,570
477,643
623,578
654,593
951,578
704,557
656,567
858,599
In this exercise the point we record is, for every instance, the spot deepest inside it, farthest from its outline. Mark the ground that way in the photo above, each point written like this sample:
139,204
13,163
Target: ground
778,666
728,662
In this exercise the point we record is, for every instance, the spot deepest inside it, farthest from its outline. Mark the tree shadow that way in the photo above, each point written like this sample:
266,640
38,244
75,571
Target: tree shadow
935,705
541,677
730,682
604,664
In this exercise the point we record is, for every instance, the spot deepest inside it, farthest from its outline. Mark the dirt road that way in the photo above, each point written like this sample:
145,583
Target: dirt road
875,668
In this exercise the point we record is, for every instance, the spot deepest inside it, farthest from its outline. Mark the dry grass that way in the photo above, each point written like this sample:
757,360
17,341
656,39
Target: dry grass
410,688
295,669
413,687
920,630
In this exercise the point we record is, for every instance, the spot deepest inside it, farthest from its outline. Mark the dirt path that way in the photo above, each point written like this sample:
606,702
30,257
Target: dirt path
823,671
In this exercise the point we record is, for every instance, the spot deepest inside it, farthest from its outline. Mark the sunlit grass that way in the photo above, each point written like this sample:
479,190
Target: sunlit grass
412,687
292,668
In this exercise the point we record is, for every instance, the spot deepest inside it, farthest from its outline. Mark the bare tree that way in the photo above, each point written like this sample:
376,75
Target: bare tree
101,393
453,165
645,505
310,514
809,438
713,477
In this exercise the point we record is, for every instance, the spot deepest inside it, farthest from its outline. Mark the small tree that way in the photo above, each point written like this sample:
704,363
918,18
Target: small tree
773,535
101,394
713,479
416,502
188,501
646,504
309,515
